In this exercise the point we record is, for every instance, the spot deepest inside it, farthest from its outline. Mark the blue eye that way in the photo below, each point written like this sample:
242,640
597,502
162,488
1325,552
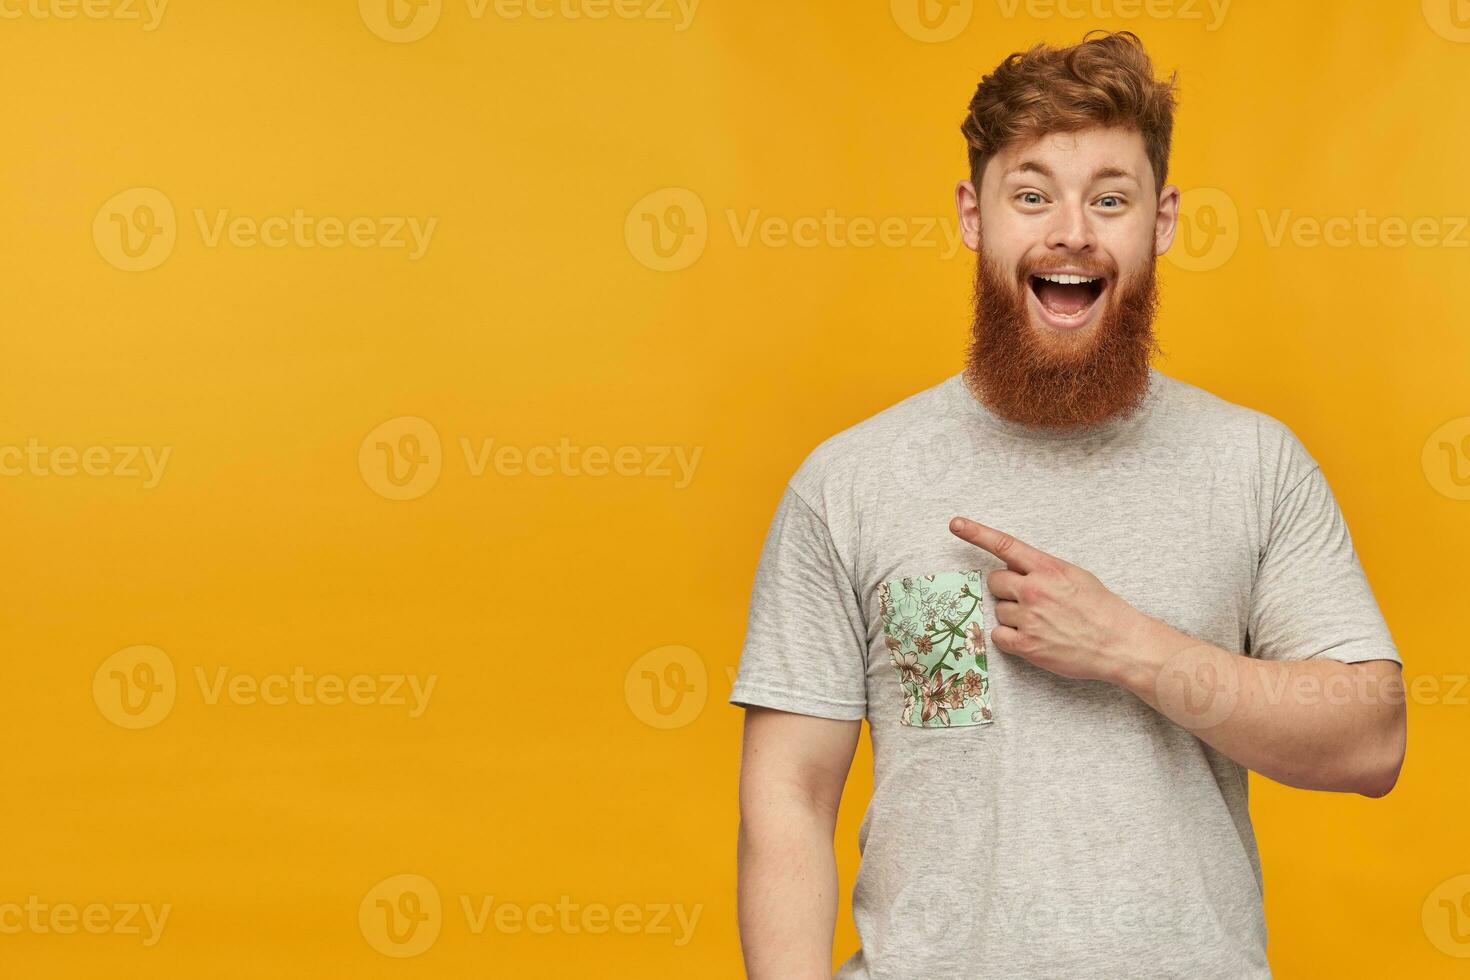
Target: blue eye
1110,197
1031,197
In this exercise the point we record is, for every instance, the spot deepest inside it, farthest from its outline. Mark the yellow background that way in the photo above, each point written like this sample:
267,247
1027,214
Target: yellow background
541,768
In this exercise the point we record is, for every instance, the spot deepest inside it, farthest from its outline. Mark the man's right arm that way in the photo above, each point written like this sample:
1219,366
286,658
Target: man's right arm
792,771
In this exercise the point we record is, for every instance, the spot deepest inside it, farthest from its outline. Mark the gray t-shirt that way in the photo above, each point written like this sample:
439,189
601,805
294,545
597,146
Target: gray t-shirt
1077,832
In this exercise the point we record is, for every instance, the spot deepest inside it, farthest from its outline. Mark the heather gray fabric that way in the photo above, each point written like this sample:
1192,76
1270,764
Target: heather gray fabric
1081,834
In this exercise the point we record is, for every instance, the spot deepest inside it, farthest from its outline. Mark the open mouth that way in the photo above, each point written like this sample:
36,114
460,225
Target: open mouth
1067,298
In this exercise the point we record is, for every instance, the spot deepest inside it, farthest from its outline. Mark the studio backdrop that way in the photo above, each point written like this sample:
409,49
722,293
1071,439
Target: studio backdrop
396,394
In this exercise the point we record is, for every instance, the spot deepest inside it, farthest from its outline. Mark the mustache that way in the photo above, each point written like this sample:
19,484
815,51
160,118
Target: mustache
1087,267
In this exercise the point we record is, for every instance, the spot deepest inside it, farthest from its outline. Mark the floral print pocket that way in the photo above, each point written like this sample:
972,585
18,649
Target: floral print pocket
934,628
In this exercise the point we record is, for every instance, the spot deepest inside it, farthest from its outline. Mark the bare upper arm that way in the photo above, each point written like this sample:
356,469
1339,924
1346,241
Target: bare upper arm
786,754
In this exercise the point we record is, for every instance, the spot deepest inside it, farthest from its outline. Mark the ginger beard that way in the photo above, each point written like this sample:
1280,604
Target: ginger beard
1029,373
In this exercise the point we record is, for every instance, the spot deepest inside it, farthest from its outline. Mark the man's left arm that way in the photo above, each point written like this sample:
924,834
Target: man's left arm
1315,723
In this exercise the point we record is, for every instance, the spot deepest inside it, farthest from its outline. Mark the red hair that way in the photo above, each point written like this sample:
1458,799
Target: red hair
1103,81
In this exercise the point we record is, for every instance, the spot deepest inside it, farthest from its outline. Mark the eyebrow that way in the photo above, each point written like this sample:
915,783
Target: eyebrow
1101,173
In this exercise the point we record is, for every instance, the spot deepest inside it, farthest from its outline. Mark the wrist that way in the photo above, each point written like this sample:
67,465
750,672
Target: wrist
1140,650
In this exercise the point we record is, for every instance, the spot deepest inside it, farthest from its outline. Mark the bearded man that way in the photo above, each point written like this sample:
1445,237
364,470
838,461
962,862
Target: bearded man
1075,599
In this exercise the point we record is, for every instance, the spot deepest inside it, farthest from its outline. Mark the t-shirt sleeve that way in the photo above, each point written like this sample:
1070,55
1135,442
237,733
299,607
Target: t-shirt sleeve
1311,598
806,639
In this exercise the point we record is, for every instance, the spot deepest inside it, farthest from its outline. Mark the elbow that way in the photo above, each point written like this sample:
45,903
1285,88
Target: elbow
1376,786
1380,773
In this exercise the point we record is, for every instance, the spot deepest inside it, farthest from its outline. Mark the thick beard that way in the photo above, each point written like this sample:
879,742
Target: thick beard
1060,382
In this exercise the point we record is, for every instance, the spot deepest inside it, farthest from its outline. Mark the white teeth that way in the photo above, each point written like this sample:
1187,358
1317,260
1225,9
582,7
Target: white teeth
1067,280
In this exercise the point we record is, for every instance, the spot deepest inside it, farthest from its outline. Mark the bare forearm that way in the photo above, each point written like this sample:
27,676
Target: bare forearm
1313,724
787,892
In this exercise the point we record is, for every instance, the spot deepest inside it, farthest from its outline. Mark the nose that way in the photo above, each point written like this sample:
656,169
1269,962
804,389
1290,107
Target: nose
1070,230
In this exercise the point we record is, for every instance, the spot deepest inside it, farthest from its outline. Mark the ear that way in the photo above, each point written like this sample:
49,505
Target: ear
1168,219
967,203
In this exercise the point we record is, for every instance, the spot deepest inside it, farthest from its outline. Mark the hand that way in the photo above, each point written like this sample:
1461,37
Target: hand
1052,613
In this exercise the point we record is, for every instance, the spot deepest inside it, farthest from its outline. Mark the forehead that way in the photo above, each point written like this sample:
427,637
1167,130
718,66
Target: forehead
1073,157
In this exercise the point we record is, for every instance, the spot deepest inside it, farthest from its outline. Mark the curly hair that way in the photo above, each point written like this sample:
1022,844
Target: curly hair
1102,81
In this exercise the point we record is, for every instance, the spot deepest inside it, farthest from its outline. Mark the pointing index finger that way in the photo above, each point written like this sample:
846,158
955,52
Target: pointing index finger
1015,553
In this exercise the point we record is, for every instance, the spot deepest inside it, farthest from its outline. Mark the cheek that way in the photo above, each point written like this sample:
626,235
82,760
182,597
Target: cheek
1131,248
1004,240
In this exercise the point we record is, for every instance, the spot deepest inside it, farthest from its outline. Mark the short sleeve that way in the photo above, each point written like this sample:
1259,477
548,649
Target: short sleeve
805,642
1311,598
